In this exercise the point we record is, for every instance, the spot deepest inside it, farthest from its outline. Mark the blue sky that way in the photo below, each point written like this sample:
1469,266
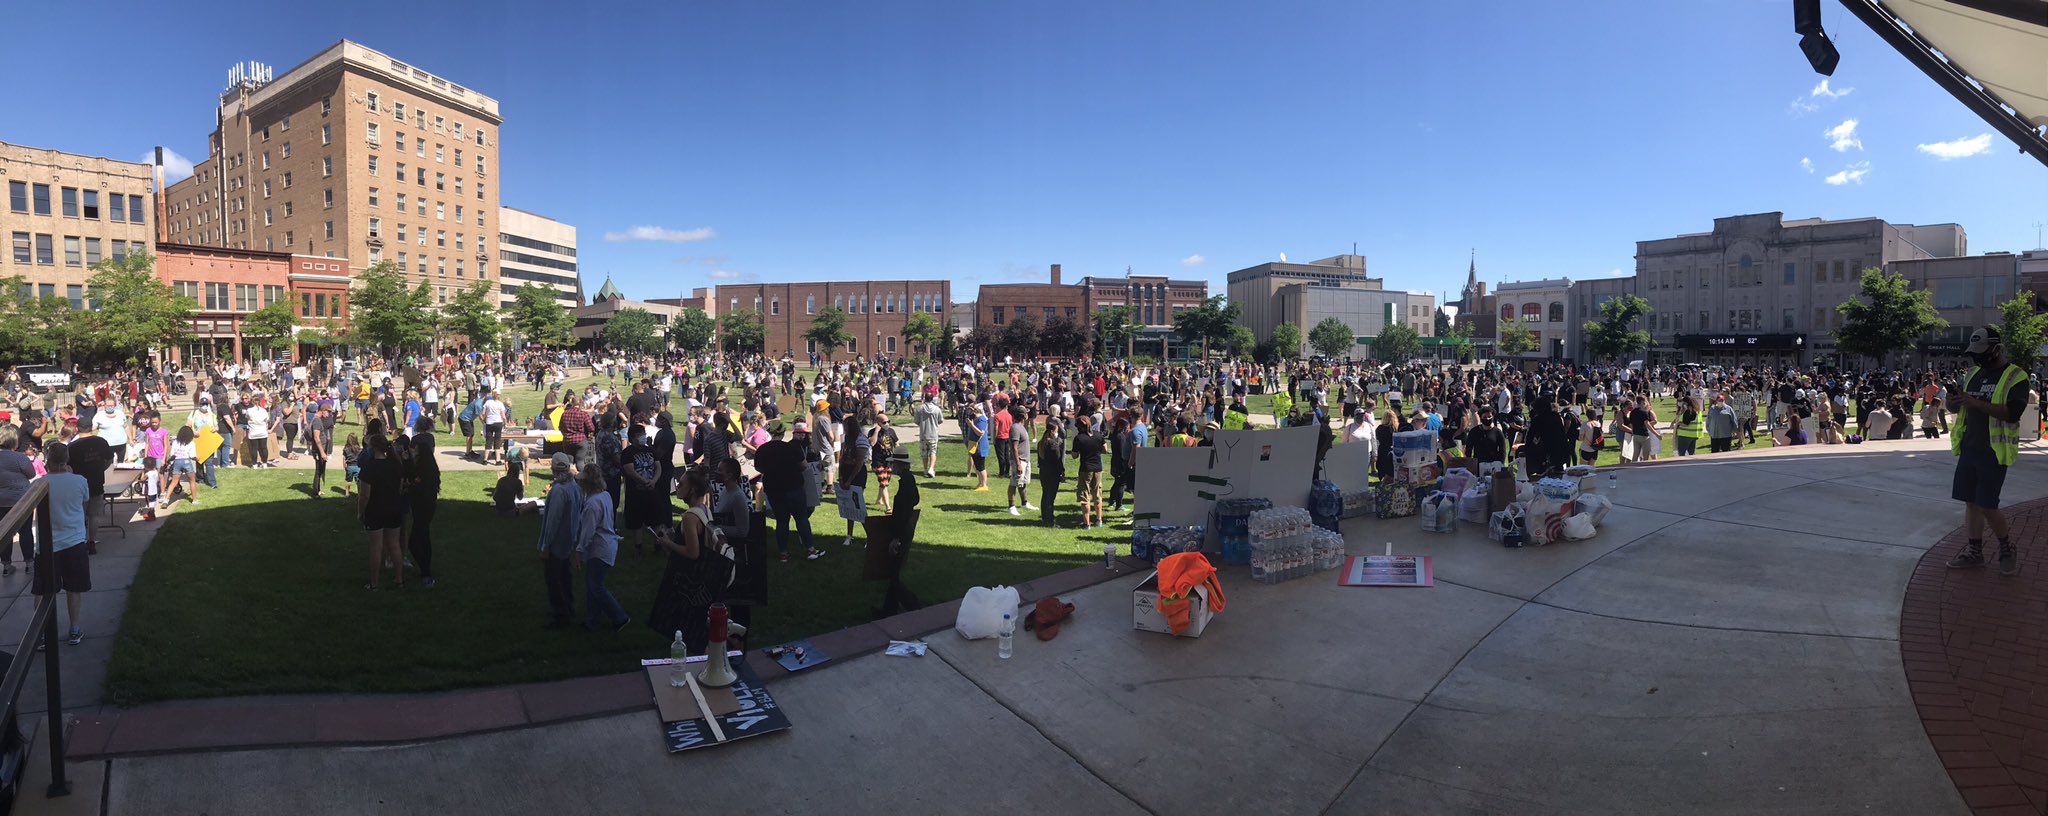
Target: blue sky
980,142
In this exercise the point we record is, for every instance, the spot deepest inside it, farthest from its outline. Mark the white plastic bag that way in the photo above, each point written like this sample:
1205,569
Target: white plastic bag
1579,527
1542,509
1594,505
1456,480
982,611
1440,513
1472,505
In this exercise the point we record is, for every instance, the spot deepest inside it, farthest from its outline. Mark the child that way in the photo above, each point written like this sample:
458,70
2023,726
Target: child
350,467
1928,417
511,489
885,444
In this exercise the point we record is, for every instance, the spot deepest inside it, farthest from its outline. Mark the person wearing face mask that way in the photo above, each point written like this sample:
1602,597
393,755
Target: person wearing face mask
646,492
1985,441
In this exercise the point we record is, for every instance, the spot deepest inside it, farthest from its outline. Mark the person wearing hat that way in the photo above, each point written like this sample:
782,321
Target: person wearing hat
561,522
1985,441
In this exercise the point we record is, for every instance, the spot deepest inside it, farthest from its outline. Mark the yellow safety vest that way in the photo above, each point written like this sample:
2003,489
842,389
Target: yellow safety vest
2003,434
1690,430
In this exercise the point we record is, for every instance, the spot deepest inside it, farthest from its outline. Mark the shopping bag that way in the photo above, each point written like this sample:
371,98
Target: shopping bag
1457,479
982,610
1579,527
1506,526
1439,513
1474,504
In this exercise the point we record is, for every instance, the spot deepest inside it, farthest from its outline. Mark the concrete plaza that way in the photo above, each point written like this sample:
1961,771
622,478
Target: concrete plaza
1727,644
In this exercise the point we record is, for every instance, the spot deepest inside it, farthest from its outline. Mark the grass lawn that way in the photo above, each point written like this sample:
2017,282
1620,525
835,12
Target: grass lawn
260,591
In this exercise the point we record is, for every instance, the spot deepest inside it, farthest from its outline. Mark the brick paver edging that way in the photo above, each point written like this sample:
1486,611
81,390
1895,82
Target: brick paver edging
1976,659
225,725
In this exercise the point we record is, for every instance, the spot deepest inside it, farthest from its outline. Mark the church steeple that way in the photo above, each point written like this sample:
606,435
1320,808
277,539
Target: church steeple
1471,292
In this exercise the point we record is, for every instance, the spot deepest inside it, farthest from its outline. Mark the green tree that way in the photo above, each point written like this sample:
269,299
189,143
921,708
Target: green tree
266,327
1114,329
1443,324
828,330
2023,330
475,314
1887,316
1515,339
1287,341
1397,343
922,330
1615,334
55,330
387,313
133,312
1020,337
1062,337
692,330
539,318
1208,323
948,347
1241,341
743,331
633,330
985,339
1331,338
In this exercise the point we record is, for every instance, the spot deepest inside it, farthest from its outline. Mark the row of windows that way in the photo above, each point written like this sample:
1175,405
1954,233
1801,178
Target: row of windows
534,260
224,297
72,292
543,246
376,198
1532,312
996,313
537,277
41,248
441,125
879,304
1747,272
318,304
418,264
24,197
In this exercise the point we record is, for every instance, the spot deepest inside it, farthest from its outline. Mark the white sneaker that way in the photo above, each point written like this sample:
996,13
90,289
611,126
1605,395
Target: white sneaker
847,543
1013,511
931,474
1030,506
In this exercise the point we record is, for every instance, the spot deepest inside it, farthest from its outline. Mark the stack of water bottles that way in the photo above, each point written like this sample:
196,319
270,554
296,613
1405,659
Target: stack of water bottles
1286,544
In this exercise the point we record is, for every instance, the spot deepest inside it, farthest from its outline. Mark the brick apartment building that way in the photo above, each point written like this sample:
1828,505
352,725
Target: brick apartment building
1154,300
228,284
875,311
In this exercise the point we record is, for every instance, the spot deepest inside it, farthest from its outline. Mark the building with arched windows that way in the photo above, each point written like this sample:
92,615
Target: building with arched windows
1541,306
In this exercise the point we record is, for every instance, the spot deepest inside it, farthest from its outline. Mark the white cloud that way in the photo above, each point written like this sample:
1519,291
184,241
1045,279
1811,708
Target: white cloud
176,168
703,260
649,233
1806,164
1958,148
1855,173
1843,136
1822,91
729,275
1193,260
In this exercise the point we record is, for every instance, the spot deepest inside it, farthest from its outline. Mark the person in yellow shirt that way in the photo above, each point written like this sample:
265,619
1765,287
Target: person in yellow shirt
362,397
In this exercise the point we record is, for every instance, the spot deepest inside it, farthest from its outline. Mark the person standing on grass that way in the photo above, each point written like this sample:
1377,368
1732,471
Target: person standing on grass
380,505
928,417
467,421
974,432
69,496
561,523
16,472
1123,451
597,547
493,413
1052,469
318,430
1088,447
1985,442
646,493
857,445
684,598
782,467
423,478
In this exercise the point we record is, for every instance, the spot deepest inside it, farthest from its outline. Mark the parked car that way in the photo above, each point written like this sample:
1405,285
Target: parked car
43,379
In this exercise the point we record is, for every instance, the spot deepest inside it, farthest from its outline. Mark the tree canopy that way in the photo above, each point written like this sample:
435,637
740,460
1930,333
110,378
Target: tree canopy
2022,330
692,330
828,330
922,330
633,330
265,327
1615,335
1020,336
132,311
1397,343
1114,328
539,318
1062,336
1208,323
1287,341
1887,316
475,314
387,313
743,331
1332,338
1515,339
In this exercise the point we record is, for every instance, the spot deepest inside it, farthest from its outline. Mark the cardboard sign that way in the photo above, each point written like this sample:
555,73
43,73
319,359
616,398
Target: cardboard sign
1387,570
758,714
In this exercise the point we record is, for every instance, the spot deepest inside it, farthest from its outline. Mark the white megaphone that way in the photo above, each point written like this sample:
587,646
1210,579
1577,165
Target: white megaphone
717,666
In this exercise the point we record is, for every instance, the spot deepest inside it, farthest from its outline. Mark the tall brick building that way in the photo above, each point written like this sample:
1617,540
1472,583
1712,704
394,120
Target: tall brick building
352,155
875,311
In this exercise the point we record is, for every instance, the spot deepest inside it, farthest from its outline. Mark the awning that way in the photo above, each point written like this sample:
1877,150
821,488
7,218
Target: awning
1992,55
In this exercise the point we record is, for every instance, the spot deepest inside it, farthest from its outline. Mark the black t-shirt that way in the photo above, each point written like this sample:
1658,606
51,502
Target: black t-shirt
1486,443
782,466
1639,422
90,457
1089,447
643,401
1982,385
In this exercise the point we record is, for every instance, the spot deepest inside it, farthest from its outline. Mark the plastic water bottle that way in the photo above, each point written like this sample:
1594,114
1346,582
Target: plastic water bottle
679,656
1109,556
1613,484
1003,637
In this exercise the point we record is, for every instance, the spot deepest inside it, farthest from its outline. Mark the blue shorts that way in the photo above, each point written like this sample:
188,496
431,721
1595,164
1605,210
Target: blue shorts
180,467
1979,478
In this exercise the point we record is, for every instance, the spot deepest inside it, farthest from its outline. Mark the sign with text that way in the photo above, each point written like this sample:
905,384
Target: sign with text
758,714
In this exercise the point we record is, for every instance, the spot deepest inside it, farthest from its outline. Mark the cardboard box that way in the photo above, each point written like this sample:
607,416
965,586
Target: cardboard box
1145,612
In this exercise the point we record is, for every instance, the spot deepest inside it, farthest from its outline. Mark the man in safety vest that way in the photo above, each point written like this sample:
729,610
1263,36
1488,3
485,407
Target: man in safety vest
1985,441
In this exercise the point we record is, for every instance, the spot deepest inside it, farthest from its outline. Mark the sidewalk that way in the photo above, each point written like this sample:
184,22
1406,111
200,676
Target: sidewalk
1728,644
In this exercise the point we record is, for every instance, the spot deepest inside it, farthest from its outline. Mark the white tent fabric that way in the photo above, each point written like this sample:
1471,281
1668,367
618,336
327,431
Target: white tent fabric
2004,52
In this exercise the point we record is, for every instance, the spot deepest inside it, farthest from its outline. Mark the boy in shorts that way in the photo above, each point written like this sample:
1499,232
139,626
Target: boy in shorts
73,572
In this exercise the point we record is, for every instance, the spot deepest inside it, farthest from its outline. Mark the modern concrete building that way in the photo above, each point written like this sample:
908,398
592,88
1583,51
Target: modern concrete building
1542,306
66,212
1759,289
1270,294
876,312
538,250
351,154
1966,290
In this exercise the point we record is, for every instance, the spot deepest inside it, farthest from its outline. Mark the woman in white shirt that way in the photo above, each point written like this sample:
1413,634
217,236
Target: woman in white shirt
257,431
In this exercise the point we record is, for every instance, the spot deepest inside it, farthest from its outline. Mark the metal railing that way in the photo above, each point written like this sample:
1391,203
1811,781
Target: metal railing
34,505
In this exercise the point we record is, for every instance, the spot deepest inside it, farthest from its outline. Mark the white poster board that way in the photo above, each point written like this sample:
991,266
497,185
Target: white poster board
1349,464
1175,486
1271,463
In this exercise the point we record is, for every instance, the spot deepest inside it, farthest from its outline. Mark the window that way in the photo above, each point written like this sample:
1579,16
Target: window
420,176
288,210
266,160
1704,314
1955,293
71,251
1071,312
441,267
437,124
266,188
370,101
76,294
440,154
423,236
285,152
440,180
1791,277
401,173
479,191
134,209
266,134
266,217
458,241
1507,313
1839,265
92,251
440,211
330,229
757,300
373,165
287,180
1532,312
458,267
186,289
245,297
370,132
401,202
479,165
1787,321
398,140
376,227
288,240
1557,312
17,196
441,238
42,197
775,306
836,303
419,118
217,297
272,294
121,250
892,345
1997,291
401,262
327,198
326,104
458,156
326,166
71,202
421,265
479,138
810,301
852,345
91,206
373,197
21,251
458,185
398,111
423,206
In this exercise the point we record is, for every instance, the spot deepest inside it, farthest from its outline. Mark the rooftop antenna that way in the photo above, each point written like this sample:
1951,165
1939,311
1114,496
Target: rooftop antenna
2037,234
